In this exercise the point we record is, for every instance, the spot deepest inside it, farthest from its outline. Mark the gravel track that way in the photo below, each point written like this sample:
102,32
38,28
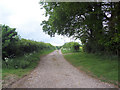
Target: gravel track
54,71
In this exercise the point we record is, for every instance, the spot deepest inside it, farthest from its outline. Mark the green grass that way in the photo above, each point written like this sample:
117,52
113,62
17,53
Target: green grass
20,72
102,67
66,51
70,51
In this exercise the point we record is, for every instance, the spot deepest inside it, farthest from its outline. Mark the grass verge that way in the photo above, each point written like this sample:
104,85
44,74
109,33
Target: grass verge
101,67
70,51
20,72
66,51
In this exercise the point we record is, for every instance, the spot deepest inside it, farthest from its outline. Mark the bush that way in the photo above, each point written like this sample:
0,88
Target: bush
13,47
73,46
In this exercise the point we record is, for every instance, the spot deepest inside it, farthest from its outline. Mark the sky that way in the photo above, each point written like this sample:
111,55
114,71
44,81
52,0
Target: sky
26,16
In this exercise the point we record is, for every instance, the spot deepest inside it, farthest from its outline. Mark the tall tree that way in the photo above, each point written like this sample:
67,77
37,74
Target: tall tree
93,23
9,37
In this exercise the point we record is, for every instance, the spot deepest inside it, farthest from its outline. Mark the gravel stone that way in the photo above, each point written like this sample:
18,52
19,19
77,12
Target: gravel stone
54,71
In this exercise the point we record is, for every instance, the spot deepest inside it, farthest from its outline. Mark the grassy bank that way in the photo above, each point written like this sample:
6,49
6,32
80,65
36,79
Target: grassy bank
24,66
65,51
103,67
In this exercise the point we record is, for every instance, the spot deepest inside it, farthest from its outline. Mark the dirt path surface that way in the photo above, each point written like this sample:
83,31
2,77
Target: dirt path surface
54,71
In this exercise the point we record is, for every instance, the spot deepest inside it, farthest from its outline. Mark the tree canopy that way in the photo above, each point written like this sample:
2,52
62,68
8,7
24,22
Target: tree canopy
96,24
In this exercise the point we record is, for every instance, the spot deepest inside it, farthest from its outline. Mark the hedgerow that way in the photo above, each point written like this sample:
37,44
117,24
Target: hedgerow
13,47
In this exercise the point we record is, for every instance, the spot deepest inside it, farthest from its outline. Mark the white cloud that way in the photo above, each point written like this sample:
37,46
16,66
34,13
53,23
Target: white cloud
26,16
